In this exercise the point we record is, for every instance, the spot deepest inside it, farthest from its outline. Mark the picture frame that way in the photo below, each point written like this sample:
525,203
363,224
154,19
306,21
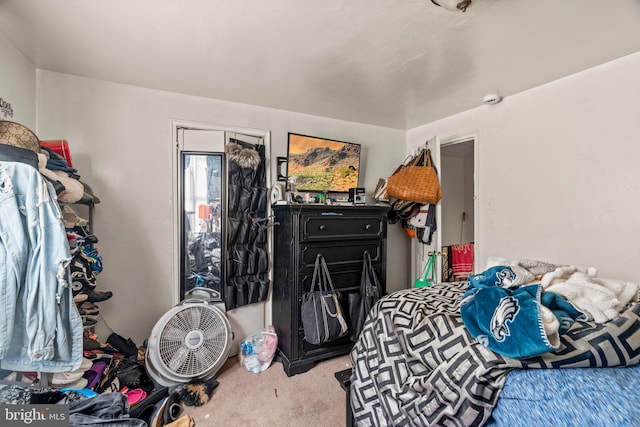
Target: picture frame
281,169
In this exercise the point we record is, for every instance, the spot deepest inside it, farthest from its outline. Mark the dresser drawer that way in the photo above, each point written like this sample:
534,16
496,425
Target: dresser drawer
343,280
347,254
339,226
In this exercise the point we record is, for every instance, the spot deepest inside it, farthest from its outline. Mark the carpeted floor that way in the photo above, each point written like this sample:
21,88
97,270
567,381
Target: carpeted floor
242,398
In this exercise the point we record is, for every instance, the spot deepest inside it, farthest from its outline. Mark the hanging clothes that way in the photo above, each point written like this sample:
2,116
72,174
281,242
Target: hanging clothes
40,328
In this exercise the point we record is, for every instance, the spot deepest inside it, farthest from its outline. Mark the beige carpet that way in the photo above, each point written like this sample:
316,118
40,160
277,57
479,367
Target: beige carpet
242,398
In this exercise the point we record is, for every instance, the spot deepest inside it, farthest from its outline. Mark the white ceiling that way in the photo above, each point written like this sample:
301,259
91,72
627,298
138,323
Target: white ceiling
394,63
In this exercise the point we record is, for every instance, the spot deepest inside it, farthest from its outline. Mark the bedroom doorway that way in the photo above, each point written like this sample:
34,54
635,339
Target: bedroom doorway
458,211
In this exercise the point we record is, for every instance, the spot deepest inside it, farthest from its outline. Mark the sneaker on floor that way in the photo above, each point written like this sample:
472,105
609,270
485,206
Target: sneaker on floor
64,378
86,364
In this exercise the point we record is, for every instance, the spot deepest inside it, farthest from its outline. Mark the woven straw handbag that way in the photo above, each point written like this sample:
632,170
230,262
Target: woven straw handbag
416,182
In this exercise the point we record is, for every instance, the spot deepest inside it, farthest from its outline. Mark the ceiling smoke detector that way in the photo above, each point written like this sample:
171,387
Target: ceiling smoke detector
453,5
491,99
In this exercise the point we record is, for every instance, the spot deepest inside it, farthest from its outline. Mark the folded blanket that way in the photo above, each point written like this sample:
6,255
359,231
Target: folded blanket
602,299
525,270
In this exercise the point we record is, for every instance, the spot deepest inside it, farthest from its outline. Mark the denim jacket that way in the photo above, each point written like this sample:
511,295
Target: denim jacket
40,328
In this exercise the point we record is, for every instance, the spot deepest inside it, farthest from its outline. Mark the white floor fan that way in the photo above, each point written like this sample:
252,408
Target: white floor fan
191,341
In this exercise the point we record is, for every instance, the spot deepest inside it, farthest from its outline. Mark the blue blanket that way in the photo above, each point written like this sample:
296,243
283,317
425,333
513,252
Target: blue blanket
509,320
603,397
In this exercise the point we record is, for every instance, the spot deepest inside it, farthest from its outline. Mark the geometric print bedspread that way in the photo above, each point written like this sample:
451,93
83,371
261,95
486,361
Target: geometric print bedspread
415,364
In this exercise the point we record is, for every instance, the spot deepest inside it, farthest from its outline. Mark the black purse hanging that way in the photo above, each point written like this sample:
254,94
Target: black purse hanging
320,310
360,303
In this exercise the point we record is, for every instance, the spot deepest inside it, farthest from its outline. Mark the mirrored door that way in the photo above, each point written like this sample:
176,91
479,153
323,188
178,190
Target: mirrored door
202,223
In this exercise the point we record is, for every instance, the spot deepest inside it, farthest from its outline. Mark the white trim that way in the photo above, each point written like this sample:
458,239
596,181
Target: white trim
461,137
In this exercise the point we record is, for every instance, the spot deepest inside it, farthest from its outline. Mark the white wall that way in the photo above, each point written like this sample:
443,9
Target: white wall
559,170
120,139
17,85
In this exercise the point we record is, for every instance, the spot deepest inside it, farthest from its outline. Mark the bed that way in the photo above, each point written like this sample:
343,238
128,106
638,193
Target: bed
416,364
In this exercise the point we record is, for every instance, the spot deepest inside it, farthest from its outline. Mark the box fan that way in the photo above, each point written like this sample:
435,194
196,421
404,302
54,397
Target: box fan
190,341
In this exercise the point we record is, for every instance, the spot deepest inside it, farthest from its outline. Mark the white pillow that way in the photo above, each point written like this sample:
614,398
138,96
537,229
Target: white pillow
492,261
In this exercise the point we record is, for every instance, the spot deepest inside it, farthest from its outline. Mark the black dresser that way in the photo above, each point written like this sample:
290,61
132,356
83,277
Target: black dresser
341,234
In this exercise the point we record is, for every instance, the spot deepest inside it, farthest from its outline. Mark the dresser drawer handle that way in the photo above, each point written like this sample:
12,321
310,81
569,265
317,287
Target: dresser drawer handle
367,227
322,227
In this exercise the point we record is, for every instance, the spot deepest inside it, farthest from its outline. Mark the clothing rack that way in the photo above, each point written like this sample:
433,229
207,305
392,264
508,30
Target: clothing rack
19,145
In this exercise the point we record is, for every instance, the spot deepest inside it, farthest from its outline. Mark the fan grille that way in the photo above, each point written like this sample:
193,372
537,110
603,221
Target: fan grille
193,341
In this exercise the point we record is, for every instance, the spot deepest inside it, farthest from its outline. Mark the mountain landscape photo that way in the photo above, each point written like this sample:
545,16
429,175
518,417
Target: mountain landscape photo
323,165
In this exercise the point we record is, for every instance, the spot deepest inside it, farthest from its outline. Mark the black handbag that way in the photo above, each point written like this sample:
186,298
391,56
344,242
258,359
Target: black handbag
321,312
360,303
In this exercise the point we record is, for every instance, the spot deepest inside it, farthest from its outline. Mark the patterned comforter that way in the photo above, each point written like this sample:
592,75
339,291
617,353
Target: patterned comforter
415,364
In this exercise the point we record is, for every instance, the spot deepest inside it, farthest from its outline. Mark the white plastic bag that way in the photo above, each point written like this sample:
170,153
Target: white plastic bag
257,350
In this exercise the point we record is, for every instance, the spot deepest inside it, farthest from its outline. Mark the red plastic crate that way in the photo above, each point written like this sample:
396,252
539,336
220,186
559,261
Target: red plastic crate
60,146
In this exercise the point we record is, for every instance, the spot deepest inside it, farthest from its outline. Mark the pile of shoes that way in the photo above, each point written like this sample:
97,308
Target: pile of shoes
86,264
55,164
111,386
72,379
59,380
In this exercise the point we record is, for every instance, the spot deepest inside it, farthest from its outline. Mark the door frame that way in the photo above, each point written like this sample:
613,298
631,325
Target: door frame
419,251
452,140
